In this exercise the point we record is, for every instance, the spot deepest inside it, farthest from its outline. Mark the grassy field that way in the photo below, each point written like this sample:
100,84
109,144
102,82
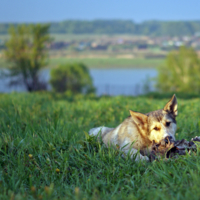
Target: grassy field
109,62
45,152
102,62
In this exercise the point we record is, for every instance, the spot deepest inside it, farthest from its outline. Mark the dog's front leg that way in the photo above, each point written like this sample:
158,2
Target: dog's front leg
133,153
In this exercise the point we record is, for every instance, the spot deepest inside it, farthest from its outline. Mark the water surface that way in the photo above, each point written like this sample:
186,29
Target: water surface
106,81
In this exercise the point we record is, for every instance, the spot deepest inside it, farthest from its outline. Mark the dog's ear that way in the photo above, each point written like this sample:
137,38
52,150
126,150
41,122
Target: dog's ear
172,106
138,118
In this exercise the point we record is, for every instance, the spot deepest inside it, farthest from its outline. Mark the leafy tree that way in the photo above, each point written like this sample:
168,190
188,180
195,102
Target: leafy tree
180,72
26,51
74,77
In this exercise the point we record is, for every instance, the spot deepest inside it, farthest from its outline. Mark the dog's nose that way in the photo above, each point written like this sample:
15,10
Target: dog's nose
168,139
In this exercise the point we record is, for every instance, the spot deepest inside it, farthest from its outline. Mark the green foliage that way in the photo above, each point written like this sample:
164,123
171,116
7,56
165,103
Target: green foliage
27,53
180,72
71,77
46,152
150,28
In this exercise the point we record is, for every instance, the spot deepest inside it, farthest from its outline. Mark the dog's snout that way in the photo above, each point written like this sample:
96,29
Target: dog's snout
168,139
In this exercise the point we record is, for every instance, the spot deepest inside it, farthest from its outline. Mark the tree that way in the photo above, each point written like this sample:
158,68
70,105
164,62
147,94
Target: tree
27,53
74,77
180,72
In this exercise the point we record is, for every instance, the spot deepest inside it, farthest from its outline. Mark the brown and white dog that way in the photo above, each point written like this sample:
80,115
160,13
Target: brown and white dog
139,131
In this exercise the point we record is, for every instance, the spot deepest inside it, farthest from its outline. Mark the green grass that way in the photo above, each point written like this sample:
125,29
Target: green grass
52,129
102,62
109,62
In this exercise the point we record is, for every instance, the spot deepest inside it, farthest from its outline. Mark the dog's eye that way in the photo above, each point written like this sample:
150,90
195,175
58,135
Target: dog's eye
156,128
168,123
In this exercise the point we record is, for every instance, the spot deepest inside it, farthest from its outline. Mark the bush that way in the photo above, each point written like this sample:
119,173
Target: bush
71,77
180,72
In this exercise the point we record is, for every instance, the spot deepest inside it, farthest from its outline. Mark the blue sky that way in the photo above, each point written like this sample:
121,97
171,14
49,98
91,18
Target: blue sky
137,10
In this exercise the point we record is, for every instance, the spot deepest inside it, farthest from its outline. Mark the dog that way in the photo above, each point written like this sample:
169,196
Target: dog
139,132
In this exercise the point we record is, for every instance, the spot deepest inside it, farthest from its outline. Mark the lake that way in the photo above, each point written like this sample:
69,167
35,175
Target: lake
106,81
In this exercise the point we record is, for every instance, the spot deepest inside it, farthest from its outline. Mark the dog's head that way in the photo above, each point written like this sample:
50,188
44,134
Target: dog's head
159,124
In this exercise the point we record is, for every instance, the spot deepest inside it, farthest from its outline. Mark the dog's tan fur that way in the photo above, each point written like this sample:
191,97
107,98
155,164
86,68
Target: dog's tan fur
139,131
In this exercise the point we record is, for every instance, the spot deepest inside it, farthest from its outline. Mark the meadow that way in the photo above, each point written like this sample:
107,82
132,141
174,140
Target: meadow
101,63
110,62
46,153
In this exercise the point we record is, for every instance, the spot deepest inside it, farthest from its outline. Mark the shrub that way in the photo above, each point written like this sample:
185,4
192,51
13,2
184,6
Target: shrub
180,72
71,77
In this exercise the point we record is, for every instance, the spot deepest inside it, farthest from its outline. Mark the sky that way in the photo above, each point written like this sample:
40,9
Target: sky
137,10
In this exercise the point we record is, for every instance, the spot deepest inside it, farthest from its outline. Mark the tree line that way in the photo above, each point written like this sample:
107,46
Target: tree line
148,28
